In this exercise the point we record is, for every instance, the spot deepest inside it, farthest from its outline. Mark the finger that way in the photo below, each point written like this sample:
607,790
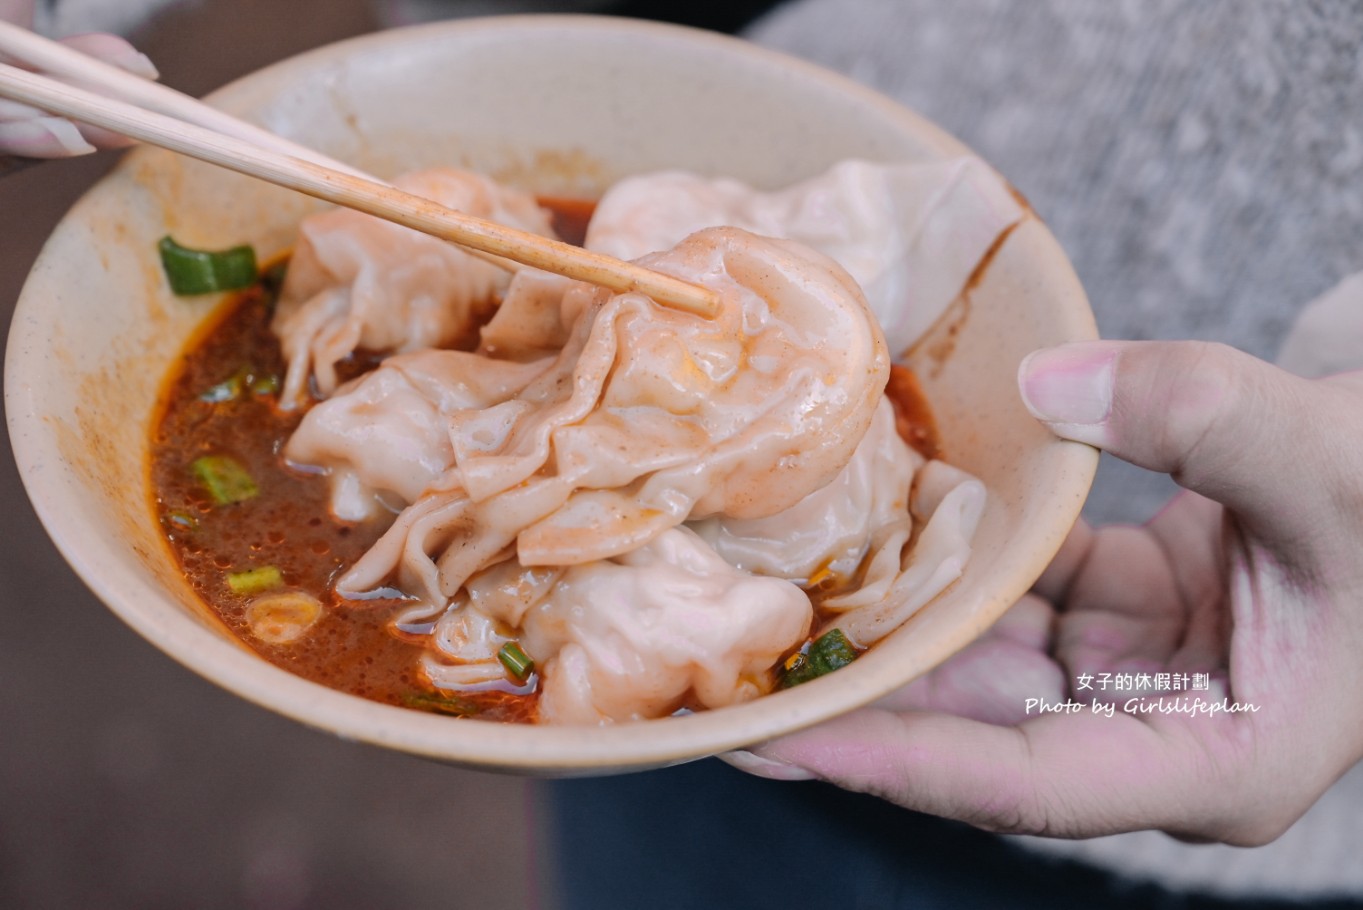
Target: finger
102,138
1029,623
1054,583
1124,612
14,112
1189,531
1075,775
991,679
1221,422
11,111
42,137
114,51
46,139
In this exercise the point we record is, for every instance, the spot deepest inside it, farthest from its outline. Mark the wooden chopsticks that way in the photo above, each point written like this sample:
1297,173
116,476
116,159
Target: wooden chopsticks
157,115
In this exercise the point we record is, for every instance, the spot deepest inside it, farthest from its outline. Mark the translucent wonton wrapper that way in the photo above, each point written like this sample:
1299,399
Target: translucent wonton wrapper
356,281
910,234
647,417
824,537
629,637
708,614
849,541
947,504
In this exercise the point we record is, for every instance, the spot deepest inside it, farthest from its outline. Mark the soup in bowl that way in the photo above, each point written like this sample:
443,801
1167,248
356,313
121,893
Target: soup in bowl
566,111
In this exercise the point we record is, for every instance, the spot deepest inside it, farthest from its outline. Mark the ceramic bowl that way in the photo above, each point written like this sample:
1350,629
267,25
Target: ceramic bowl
560,105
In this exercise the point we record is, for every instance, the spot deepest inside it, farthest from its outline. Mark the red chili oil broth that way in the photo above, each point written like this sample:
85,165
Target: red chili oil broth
354,646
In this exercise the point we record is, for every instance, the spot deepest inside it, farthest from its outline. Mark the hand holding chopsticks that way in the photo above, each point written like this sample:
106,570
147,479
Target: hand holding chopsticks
160,116
27,133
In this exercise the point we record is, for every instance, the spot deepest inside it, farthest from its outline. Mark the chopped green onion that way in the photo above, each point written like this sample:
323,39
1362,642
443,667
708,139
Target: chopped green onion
830,651
206,272
517,662
224,478
440,704
253,581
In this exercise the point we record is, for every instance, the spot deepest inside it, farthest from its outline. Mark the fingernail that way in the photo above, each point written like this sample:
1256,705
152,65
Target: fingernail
137,63
115,51
1070,385
43,137
765,767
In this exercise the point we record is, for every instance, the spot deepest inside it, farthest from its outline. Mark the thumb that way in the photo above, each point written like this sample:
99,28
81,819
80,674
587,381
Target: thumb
1220,422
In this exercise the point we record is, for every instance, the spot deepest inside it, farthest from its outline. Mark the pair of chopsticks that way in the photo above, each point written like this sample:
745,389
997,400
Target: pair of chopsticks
158,115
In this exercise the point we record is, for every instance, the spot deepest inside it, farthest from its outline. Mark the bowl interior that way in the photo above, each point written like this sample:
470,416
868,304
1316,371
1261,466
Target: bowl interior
559,105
